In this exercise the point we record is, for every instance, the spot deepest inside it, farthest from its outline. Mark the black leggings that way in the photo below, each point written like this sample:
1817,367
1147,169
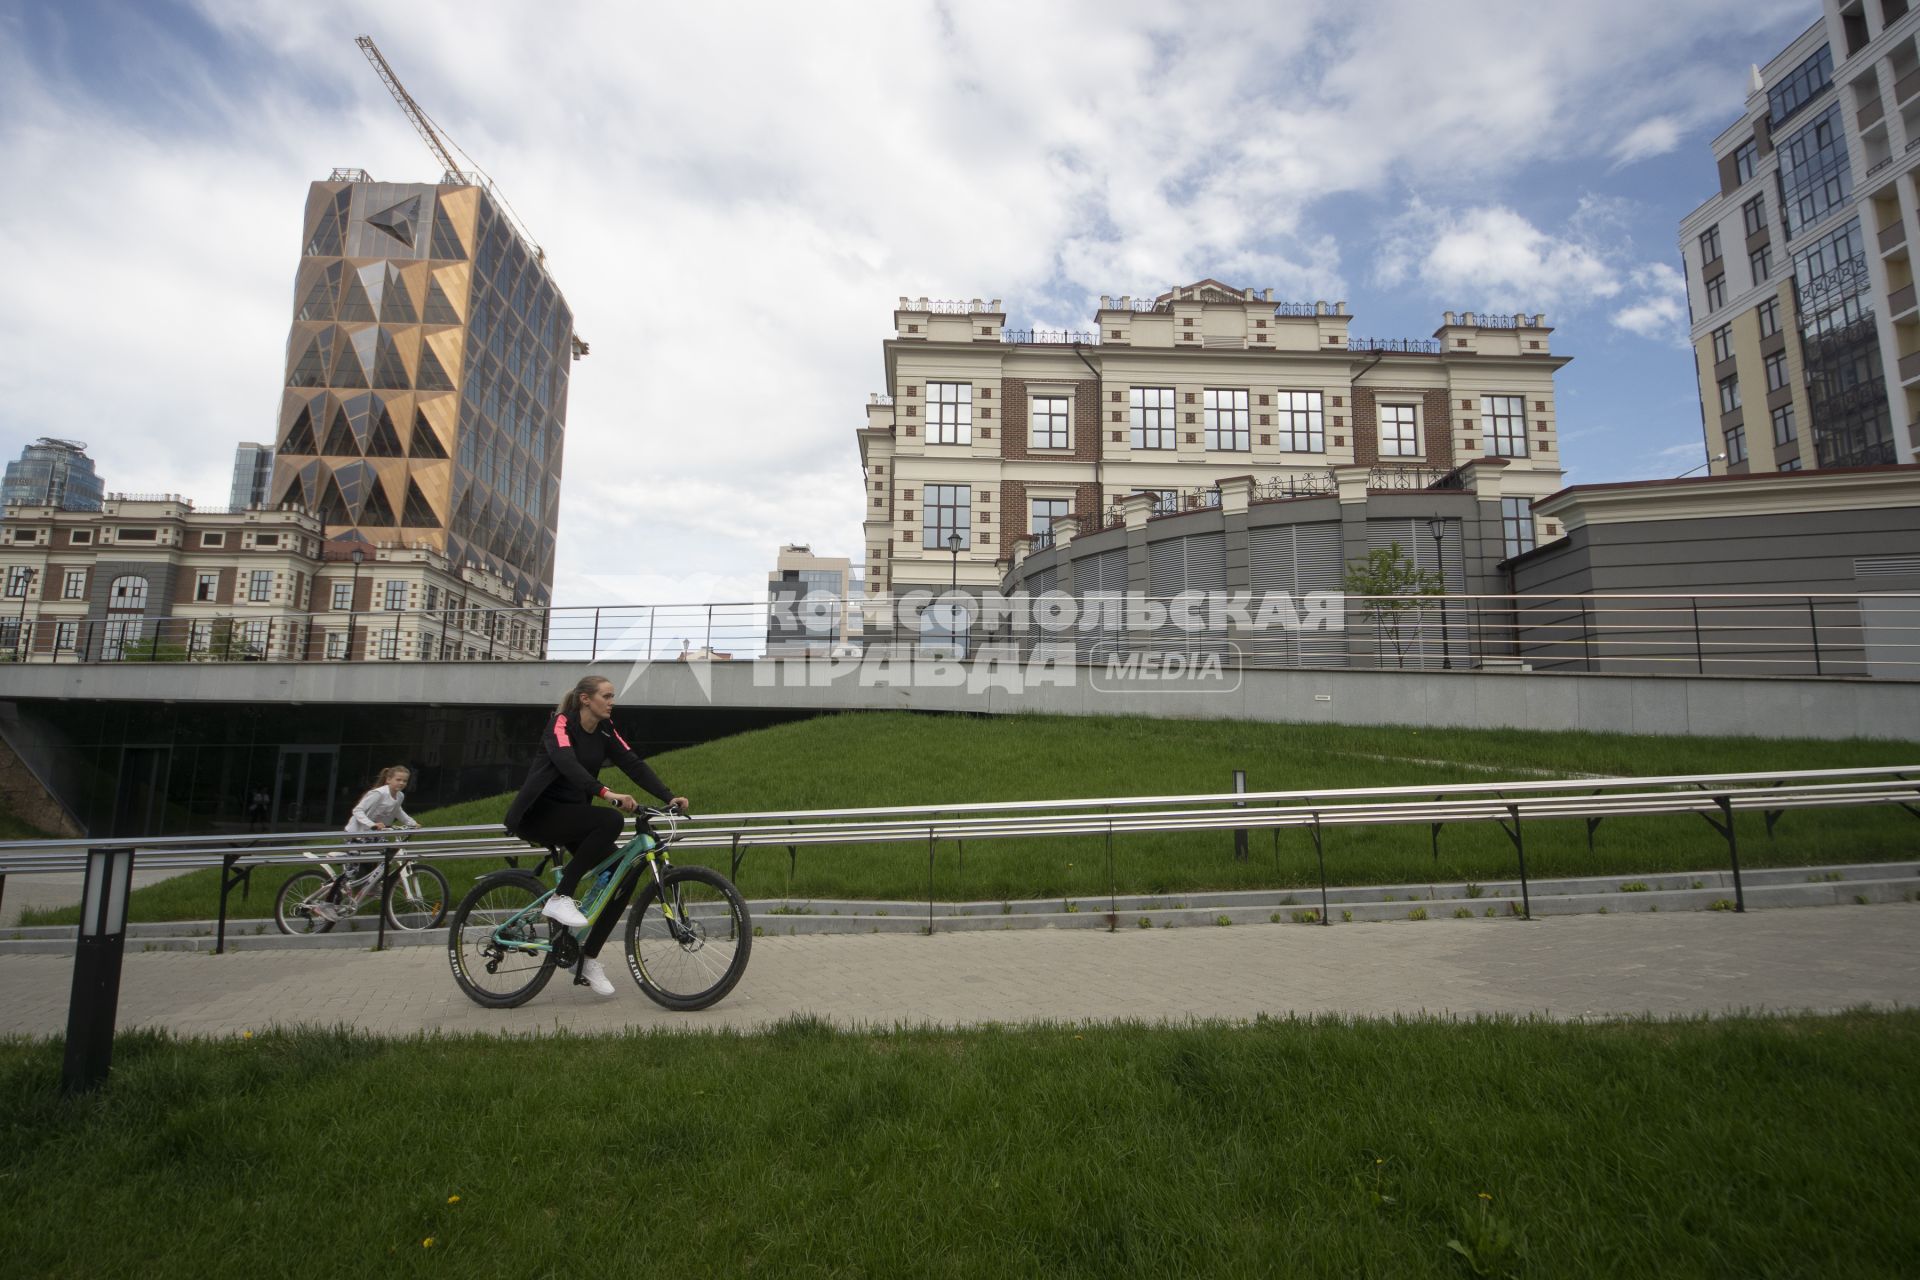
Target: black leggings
589,832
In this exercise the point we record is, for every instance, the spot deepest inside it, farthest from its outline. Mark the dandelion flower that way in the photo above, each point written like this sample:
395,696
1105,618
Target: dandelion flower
453,1199
427,1243
1485,1196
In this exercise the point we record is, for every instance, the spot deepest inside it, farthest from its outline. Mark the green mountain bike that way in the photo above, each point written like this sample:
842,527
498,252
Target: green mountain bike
687,940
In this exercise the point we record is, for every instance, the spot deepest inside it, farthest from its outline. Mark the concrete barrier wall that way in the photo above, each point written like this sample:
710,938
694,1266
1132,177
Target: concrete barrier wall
1682,705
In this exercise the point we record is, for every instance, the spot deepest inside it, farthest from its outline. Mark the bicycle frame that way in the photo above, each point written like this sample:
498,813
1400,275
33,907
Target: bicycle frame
646,848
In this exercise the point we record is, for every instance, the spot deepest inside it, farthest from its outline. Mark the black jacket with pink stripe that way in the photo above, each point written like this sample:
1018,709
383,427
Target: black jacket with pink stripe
567,771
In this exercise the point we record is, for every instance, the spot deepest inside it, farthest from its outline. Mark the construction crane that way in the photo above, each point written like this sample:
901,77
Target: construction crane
443,148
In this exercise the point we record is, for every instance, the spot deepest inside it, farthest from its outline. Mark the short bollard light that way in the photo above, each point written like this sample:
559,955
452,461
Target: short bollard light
96,969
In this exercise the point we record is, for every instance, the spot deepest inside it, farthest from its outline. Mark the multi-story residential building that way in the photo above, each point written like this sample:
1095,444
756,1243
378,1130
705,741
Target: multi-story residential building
426,378
154,579
53,473
987,436
1800,277
829,620
252,475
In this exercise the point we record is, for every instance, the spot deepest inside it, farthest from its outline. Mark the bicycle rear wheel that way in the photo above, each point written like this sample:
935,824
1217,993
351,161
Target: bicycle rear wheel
417,899
491,969
688,949
311,901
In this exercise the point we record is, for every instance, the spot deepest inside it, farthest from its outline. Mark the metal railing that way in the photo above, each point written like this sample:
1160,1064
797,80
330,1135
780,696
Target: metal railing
1062,337
1744,634
1411,475
1413,346
1311,484
1716,797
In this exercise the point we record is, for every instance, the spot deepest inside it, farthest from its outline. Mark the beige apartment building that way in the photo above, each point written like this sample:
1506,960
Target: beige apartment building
986,435
1800,276
154,579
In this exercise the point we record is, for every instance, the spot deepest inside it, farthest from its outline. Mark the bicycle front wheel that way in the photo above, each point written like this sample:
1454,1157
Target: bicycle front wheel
309,902
490,943
688,946
417,899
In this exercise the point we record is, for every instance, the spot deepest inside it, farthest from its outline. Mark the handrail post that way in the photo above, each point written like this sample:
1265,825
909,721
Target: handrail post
929,873
380,906
1813,622
1586,635
594,653
493,627
1733,851
227,880
1699,651
1320,853
652,609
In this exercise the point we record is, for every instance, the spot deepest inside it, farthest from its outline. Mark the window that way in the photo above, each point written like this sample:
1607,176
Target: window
199,637
1744,156
1776,371
1769,313
1710,244
1806,83
1760,262
10,635
1165,501
949,413
1717,293
396,594
1753,214
342,595
1736,445
206,586
1815,176
1045,512
119,635
1152,417
1516,525
1047,417
213,539
1398,436
75,586
389,643
336,644
1226,419
433,598
1723,343
1791,464
136,535
128,593
81,537
1730,393
1783,425
947,510
260,585
1301,422
66,637
254,636
1503,421
18,576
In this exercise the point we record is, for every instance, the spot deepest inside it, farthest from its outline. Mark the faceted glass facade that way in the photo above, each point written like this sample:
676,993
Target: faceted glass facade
426,384
53,473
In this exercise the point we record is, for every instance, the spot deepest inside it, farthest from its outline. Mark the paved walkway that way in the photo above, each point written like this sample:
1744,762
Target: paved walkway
1818,958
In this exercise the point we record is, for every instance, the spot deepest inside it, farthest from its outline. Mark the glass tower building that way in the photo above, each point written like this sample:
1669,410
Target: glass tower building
426,377
252,475
53,473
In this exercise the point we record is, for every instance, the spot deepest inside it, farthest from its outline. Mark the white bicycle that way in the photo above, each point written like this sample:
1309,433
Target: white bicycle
314,899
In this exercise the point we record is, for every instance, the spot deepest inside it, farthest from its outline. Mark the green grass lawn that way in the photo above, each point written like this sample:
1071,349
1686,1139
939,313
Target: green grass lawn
902,759
1733,1147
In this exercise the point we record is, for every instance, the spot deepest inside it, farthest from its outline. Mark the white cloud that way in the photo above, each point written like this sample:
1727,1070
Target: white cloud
732,198
1660,309
1651,138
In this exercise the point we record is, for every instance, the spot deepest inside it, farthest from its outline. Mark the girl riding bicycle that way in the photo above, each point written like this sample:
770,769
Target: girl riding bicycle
380,809
555,806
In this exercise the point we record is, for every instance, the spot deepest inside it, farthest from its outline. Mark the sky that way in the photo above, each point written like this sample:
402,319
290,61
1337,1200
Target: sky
733,198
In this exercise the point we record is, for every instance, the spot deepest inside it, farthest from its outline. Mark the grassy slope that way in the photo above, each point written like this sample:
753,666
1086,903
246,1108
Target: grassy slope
1737,1147
897,759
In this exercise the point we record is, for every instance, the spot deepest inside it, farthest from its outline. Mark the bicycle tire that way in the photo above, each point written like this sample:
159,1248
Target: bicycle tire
425,904
292,906
493,899
696,967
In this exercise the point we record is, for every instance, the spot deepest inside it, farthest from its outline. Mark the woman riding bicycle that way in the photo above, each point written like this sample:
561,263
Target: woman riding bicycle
555,806
380,809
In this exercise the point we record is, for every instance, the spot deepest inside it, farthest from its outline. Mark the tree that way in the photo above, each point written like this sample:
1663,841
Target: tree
1391,588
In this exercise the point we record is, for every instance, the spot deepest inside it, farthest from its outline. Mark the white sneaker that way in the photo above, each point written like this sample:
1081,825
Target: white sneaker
566,911
596,977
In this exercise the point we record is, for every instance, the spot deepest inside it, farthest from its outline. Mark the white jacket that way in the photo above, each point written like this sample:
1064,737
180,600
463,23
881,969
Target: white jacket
379,805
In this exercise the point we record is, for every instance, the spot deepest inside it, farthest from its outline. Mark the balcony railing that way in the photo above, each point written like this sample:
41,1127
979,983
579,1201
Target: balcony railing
1059,337
1409,475
1309,484
1413,346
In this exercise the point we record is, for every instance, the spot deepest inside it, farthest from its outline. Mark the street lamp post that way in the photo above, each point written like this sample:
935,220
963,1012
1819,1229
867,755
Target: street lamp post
26,592
353,600
954,543
1438,528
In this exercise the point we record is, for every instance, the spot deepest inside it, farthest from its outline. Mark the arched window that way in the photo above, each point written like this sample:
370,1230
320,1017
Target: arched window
129,592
